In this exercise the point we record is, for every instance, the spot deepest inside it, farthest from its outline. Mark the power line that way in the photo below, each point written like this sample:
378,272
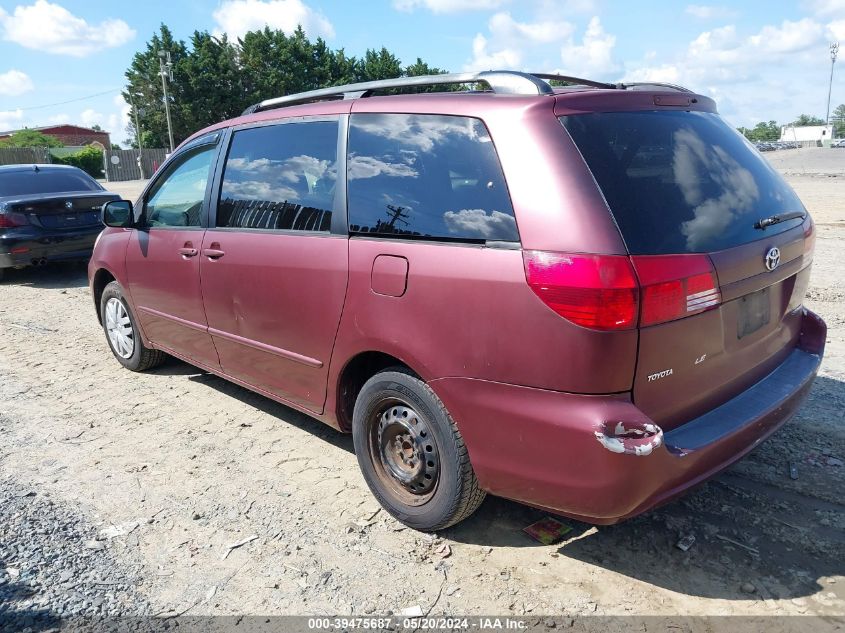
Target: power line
50,105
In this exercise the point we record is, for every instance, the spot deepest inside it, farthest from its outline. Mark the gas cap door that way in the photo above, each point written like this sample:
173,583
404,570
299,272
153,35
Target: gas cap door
390,275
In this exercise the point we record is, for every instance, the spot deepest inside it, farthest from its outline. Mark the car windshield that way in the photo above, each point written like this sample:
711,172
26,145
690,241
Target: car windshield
681,182
28,182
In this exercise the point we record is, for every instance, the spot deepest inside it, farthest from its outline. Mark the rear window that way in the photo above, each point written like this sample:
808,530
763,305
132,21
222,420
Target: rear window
426,177
24,183
680,182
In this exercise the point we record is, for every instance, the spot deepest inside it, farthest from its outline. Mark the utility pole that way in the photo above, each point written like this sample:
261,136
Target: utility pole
138,135
834,50
166,72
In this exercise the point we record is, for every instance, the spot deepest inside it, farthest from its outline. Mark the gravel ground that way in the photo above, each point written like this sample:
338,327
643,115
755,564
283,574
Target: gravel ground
212,465
55,564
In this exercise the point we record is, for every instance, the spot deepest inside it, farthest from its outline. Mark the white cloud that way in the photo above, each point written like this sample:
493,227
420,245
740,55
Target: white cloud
722,56
448,6
51,28
57,119
14,83
114,122
790,37
836,30
710,12
826,7
476,223
10,119
594,55
666,73
90,118
236,17
484,59
742,70
118,122
508,41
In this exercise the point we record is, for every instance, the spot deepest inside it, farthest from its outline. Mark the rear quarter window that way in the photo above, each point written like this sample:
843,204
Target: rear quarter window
426,177
680,182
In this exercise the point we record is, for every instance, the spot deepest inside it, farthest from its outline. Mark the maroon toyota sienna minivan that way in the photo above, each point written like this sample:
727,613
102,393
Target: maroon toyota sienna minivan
584,298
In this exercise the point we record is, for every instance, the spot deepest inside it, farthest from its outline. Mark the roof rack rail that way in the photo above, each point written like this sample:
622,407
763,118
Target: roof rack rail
575,80
500,82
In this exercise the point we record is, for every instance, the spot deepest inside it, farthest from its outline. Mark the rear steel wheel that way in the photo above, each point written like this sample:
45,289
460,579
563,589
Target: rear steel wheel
405,452
411,452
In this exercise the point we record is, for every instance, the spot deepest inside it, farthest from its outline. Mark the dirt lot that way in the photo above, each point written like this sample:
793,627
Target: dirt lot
176,465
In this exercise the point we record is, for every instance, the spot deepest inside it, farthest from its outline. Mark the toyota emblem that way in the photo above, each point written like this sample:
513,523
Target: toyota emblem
773,258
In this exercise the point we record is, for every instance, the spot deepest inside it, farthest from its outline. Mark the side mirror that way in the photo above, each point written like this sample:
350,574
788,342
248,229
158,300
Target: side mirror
118,213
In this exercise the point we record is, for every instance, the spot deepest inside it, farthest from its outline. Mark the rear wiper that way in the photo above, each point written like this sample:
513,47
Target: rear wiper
777,219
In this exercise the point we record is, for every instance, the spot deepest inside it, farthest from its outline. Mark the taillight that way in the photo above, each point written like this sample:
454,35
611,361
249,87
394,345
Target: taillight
809,238
594,291
675,286
12,220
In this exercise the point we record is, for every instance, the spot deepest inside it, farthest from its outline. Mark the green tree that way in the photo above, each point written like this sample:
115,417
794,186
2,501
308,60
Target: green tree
144,90
762,131
31,138
380,64
88,159
212,86
216,78
838,120
807,119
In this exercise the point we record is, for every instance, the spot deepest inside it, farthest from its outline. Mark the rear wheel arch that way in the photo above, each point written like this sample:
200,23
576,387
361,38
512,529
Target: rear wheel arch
358,370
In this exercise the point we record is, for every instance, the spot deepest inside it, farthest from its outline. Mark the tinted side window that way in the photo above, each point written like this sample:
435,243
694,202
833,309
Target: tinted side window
176,199
280,177
426,176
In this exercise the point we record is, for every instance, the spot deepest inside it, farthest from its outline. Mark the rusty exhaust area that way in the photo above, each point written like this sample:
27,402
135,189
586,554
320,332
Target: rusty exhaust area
631,438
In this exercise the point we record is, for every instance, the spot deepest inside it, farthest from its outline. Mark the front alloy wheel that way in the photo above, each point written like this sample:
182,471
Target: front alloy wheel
119,328
122,332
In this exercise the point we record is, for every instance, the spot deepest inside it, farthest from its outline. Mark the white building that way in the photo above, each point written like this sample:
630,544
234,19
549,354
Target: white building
806,133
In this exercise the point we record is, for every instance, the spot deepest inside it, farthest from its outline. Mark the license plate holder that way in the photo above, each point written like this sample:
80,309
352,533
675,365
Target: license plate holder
754,312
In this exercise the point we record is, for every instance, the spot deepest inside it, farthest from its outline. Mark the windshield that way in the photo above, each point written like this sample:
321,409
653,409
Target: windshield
24,183
680,182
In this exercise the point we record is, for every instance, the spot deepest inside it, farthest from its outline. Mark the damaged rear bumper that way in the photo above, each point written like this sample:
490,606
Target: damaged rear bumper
599,458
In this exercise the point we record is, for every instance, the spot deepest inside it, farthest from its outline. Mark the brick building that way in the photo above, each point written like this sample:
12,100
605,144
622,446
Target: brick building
70,135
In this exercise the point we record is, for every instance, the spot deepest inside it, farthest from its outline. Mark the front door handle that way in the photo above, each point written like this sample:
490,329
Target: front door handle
188,252
213,253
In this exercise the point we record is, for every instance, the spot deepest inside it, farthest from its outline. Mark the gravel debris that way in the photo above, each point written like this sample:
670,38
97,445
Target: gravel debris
48,572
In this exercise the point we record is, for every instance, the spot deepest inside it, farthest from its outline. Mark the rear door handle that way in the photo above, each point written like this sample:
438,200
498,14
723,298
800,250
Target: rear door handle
188,252
213,253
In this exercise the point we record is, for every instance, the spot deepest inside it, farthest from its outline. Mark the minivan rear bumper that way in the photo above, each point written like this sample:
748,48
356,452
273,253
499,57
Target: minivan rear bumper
557,450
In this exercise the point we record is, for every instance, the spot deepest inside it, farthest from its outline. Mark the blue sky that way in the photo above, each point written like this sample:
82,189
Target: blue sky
760,60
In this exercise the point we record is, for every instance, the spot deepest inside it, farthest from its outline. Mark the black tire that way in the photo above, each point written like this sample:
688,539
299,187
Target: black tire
142,357
454,494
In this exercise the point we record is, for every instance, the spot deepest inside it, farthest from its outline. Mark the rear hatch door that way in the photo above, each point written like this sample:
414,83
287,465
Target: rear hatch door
688,194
